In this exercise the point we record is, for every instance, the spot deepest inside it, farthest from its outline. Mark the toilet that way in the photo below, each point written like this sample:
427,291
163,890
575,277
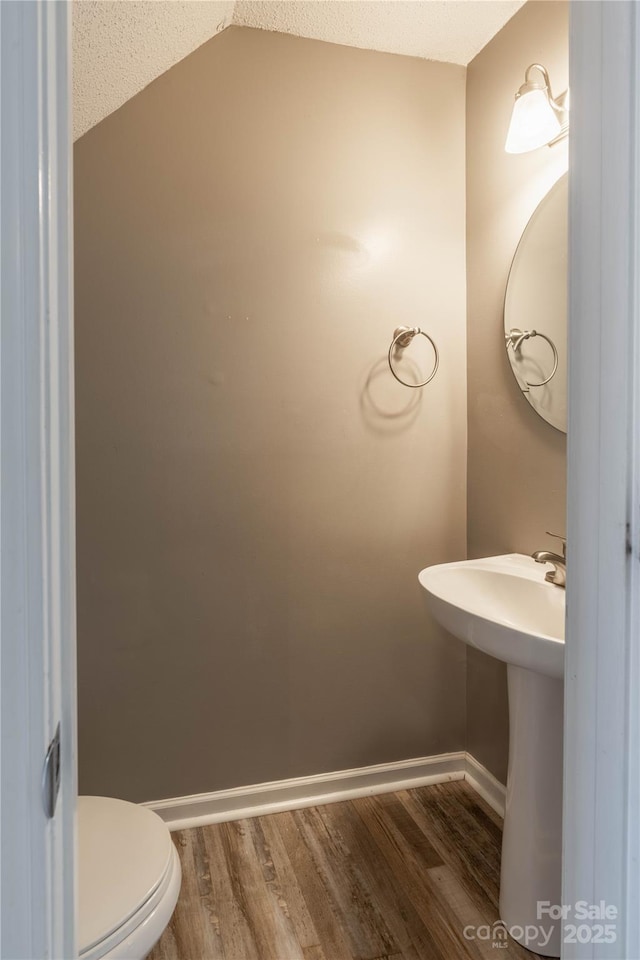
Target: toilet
128,879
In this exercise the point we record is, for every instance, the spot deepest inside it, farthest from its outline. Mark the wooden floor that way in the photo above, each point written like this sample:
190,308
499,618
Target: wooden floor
394,876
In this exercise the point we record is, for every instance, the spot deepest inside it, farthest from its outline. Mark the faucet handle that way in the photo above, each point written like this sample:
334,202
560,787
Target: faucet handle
558,536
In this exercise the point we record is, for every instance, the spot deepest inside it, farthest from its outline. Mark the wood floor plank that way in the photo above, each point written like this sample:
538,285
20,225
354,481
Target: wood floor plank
286,886
295,929
412,836
364,926
463,799
487,931
322,908
465,832
408,929
389,956
191,929
472,852
271,927
229,914
314,952
376,879
412,872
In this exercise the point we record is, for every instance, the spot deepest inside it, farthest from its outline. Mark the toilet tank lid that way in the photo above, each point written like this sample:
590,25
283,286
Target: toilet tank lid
124,852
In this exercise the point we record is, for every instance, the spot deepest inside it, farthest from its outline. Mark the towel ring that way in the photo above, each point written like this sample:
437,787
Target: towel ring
402,337
515,338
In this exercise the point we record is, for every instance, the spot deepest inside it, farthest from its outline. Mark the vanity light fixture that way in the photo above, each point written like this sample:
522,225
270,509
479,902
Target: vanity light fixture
538,117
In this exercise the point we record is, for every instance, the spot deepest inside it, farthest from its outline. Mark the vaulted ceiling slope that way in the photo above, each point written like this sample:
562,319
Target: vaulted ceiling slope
120,46
450,30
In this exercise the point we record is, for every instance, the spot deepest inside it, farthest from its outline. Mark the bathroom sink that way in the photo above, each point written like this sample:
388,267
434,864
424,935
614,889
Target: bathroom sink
504,607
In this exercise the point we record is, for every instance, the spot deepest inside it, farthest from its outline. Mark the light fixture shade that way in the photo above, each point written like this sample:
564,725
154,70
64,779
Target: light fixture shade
534,122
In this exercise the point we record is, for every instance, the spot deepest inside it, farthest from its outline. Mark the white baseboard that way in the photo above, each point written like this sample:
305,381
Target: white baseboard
259,799
484,783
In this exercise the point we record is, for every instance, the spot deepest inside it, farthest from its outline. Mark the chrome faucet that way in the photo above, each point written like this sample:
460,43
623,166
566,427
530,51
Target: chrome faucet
559,573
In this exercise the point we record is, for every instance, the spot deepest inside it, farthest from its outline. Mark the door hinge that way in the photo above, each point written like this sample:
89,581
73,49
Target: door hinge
51,775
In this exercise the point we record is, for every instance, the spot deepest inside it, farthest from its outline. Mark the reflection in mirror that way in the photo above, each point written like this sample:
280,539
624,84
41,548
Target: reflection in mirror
535,308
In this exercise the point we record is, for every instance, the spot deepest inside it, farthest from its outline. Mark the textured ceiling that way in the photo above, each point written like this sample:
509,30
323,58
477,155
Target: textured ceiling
450,30
120,46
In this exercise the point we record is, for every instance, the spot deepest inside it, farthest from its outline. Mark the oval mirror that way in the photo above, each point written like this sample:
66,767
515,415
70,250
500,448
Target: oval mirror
535,308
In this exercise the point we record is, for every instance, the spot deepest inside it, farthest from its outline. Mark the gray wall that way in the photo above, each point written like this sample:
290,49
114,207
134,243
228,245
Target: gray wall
255,493
516,461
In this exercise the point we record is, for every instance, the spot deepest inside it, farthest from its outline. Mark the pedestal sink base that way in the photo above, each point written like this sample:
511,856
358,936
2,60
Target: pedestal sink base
532,838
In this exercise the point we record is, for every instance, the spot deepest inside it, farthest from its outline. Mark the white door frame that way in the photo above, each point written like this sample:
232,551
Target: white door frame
602,730
602,683
37,567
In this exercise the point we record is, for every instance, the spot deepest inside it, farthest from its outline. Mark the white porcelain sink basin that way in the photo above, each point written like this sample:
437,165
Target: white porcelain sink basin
504,607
